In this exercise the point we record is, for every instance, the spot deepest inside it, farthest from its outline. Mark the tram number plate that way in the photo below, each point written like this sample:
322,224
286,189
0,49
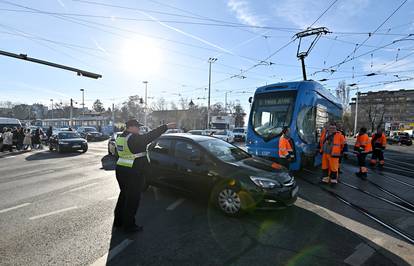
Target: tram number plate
266,153
295,191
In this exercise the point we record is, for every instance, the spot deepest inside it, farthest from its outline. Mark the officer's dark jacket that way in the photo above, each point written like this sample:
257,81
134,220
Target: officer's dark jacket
138,143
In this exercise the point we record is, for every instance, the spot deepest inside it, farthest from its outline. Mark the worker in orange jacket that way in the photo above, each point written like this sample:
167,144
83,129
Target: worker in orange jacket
378,142
331,149
286,152
363,148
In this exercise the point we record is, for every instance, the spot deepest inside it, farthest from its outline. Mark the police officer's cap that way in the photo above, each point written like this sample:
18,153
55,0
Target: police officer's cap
133,123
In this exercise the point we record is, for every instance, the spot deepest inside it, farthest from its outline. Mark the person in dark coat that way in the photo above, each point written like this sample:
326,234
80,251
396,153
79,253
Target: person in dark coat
36,139
130,168
19,138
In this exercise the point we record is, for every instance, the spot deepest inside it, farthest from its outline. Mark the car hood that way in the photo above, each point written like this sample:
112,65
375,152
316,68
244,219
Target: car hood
255,166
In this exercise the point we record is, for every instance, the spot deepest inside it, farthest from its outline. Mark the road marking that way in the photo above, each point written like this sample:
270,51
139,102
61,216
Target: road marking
82,187
15,207
156,194
112,253
409,164
385,241
9,157
51,213
175,204
362,253
112,198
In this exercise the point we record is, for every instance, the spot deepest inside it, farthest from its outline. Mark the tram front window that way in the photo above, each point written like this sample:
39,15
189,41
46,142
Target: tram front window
271,112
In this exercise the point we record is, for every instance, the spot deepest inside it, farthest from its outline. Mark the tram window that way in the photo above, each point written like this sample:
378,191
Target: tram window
271,112
306,124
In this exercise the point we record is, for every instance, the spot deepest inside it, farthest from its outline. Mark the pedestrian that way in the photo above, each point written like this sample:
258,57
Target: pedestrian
36,139
7,140
27,141
378,143
130,169
20,138
286,151
49,133
362,148
331,150
345,147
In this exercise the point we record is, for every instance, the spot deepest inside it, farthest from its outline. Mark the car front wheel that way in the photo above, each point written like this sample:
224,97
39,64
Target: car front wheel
229,202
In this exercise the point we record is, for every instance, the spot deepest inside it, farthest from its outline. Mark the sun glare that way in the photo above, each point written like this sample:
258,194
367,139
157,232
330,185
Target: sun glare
141,56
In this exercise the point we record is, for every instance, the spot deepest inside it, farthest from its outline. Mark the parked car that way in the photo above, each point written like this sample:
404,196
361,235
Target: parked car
209,132
111,144
90,133
67,141
239,134
234,180
225,135
196,132
173,130
401,138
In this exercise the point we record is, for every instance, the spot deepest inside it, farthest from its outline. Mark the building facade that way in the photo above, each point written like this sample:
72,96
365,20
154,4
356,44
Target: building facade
394,109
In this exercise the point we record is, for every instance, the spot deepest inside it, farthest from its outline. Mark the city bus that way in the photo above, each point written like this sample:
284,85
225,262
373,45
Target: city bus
303,106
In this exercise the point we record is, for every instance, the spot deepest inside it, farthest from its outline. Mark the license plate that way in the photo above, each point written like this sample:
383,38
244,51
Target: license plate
266,153
76,146
295,191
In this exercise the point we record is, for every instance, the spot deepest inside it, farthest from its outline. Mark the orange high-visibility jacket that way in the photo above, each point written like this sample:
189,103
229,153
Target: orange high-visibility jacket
380,142
322,139
363,142
285,148
338,144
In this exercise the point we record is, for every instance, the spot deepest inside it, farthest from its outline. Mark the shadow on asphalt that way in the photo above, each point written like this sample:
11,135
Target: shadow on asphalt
197,235
108,162
45,155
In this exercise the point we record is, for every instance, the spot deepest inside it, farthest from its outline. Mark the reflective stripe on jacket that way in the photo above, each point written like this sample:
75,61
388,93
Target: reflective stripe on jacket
126,157
363,142
285,148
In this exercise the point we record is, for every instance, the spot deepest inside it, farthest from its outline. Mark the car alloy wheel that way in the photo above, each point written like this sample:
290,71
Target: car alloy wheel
229,201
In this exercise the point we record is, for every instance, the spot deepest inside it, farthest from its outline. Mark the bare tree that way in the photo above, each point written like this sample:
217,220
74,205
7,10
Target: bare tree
159,105
342,92
184,103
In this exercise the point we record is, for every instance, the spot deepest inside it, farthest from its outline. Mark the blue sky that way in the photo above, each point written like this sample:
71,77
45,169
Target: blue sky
168,44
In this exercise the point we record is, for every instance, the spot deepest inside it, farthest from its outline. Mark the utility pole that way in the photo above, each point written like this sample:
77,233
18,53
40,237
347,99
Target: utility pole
83,105
210,60
71,113
225,101
306,33
356,112
113,114
146,100
52,107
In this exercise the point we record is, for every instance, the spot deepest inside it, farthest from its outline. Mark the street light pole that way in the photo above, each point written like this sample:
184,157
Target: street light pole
356,112
146,100
52,107
83,105
210,60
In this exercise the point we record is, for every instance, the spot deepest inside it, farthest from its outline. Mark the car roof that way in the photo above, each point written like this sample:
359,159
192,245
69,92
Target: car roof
186,136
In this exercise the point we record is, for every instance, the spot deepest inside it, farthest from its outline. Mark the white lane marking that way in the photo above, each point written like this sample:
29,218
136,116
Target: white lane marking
82,187
15,207
112,253
362,253
385,241
9,157
175,204
156,194
409,164
112,198
51,213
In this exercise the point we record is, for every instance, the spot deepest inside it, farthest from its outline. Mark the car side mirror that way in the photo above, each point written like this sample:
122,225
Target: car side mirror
250,99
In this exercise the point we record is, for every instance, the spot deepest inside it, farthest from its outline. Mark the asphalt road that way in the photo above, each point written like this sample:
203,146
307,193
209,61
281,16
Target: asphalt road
57,209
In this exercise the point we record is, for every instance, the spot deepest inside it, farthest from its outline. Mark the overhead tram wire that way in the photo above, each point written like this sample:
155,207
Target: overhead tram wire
338,65
323,13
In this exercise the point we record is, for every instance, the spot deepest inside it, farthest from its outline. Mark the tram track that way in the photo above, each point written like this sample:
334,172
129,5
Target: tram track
365,212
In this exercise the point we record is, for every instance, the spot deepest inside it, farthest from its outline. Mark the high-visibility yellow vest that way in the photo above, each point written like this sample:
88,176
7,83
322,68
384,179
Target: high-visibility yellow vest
126,157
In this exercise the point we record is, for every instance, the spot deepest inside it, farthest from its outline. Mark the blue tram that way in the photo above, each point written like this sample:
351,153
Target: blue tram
303,106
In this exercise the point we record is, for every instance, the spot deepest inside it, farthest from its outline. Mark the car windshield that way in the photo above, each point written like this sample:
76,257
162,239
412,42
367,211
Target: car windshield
221,132
68,135
224,151
271,112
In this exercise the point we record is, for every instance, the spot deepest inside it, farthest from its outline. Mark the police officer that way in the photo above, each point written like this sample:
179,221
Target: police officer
130,168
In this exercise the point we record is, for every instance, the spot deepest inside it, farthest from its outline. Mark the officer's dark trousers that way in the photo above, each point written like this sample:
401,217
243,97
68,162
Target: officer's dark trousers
130,183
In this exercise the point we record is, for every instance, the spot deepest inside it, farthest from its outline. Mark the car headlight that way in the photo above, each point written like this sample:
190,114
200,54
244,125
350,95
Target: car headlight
63,142
265,182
